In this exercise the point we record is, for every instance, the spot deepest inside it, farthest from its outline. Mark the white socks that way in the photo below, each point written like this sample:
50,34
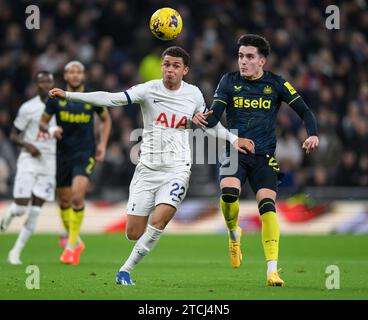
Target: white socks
27,229
16,210
271,266
143,246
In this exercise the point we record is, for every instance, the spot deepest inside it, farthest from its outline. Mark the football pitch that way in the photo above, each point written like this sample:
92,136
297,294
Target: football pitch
189,267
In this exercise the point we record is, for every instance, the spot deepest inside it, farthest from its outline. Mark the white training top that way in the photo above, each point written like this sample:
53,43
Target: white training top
166,116
27,120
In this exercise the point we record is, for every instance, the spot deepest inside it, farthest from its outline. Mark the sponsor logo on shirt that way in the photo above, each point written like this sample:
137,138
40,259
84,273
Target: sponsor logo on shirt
171,121
66,116
240,102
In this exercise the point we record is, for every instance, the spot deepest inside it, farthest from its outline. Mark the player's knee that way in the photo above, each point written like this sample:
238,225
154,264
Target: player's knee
38,202
21,202
266,205
229,195
77,201
64,202
133,234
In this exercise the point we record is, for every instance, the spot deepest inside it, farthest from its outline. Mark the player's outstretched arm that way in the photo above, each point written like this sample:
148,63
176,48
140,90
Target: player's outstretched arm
243,145
97,98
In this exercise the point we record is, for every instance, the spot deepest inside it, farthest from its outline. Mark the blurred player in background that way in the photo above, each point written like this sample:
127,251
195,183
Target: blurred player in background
76,154
161,178
252,98
35,179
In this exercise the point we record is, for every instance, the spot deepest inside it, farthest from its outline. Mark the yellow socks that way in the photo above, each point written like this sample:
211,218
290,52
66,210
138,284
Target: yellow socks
270,231
66,215
230,209
270,235
230,212
75,226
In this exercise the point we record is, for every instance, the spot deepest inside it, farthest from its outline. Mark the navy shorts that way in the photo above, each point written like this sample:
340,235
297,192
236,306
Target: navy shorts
262,170
69,167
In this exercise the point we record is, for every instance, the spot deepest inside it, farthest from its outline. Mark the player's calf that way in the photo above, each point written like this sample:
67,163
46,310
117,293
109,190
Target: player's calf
143,246
270,239
162,216
230,208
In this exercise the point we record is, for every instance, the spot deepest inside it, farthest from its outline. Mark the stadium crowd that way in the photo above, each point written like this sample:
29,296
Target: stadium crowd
329,68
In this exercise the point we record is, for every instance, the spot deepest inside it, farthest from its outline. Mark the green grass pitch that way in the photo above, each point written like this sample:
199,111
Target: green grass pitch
189,267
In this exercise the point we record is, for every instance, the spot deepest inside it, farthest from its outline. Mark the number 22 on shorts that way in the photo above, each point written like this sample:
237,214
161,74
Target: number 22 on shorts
177,192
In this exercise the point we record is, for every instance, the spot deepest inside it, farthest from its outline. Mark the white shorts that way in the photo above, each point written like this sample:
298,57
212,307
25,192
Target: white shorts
40,185
149,188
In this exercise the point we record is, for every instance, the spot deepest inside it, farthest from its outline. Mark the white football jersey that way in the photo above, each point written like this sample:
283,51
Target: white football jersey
166,116
27,120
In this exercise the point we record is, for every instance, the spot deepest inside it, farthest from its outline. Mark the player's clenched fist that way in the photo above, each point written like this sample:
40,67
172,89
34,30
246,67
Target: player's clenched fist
244,145
57,93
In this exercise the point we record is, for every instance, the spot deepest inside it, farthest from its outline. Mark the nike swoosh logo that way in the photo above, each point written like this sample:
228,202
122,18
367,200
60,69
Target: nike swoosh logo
156,101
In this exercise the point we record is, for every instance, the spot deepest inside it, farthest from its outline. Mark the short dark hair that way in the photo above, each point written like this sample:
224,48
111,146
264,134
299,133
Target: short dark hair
177,52
257,41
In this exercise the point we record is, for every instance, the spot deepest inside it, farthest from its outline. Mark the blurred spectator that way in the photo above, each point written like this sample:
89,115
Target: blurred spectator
329,143
328,68
363,170
319,177
347,173
289,149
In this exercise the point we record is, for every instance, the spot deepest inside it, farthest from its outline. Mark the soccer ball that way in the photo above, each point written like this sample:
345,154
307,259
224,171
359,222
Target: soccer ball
166,24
